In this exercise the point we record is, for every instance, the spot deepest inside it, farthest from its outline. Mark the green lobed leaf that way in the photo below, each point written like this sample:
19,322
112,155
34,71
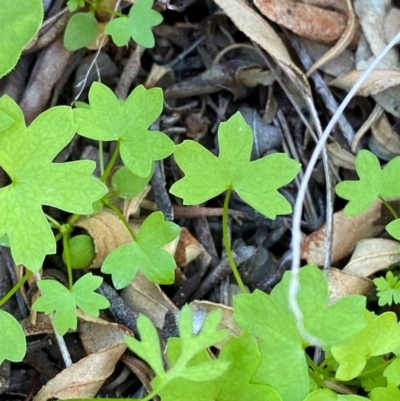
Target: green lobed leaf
81,30
388,289
379,337
26,156
137,25
110,119
390,393
393,228
256,182
74,4
127,185
5,121
392,372
19,23
149,347
269,318
373,183
56,297
243,358
146,254
13,342
329,395
372,375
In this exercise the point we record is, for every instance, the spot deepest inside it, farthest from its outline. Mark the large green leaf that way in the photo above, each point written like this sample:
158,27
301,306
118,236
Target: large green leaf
19,22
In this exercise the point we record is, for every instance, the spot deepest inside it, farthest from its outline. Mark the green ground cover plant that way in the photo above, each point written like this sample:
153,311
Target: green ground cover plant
83,27
271,359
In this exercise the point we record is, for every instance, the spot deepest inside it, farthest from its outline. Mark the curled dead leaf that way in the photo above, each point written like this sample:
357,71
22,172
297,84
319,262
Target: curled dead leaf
342,283
108,232
372,255
188,248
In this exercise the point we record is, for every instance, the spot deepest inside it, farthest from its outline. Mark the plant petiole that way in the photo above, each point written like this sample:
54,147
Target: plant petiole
389,207
109,204
110,164
66,238
53,222
16,287
227,244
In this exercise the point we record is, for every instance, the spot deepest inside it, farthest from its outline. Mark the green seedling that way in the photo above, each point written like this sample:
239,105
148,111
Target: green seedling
83,27
145,253
59,299
127,122
256,182
388,289
127,185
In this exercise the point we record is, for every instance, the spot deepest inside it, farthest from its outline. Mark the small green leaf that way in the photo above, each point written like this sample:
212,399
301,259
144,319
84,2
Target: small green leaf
149,347
137,25
127,185
392,372
110,119
388,289
256,182
5,121
373,183
390,393
393,228
269,318
145,254
19,23
74,4
26,156
82,29
329,395
13,342
380,336
58,298
82,251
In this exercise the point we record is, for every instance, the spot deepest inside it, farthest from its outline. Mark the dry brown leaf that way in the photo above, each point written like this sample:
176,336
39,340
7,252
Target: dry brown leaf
372,255
143,296
83,379
391,24
337,5
305,20
376,82
342,283
108,232
384,141
258,30
188,248
97,334
347,231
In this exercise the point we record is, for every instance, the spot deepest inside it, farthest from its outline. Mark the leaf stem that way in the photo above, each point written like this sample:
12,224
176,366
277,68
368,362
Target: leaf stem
68,259
110,164
97,7
227,244
54,223
389,207
101,158
122,218
16,287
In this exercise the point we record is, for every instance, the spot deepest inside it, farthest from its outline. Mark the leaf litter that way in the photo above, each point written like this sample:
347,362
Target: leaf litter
215,79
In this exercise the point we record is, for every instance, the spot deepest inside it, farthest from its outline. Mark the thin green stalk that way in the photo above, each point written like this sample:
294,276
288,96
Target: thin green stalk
53,222
389,207
97,7
16,287
68,260
110,164
122,218
101,158
227,244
